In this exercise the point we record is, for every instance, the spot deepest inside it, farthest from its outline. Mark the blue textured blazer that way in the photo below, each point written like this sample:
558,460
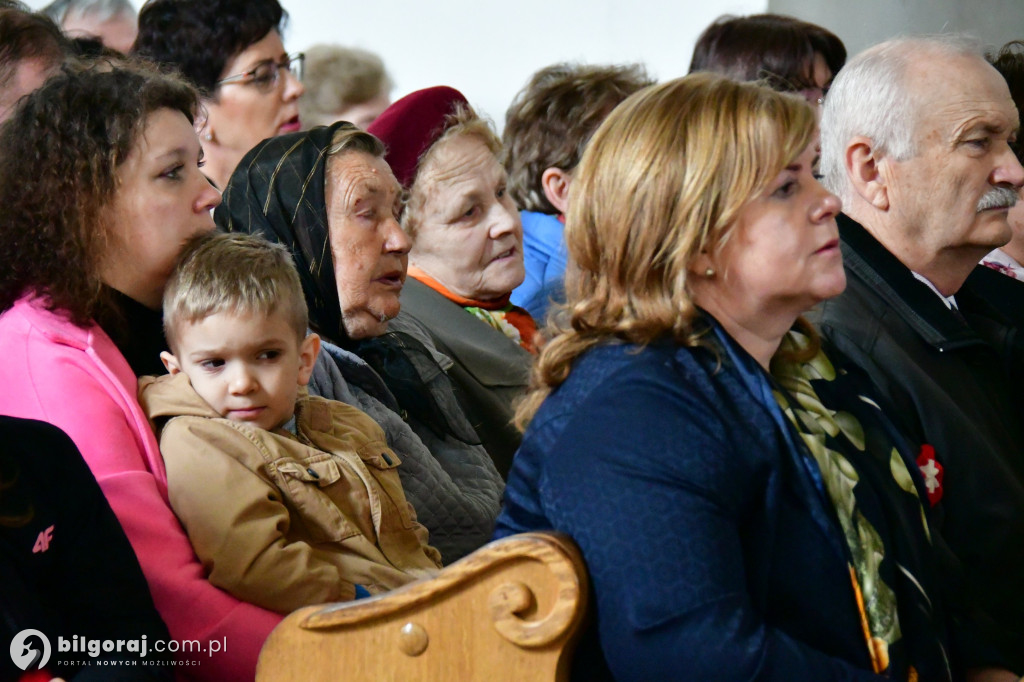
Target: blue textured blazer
712,553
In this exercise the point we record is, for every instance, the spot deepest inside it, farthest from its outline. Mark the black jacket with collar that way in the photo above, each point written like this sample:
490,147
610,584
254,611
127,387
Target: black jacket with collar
950,379
66,568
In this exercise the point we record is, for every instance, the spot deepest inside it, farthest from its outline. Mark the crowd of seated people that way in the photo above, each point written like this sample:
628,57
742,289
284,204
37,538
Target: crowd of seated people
777,415
329,197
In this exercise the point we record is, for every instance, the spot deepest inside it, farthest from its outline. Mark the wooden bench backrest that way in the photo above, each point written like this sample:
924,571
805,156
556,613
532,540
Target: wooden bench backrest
510,611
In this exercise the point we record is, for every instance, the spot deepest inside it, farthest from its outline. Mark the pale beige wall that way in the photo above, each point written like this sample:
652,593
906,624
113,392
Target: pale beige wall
861,23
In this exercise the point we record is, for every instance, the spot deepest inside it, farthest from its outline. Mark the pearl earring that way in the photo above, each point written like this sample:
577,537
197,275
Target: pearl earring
710,272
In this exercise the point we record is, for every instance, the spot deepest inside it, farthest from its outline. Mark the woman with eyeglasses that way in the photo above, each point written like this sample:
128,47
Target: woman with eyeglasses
233,53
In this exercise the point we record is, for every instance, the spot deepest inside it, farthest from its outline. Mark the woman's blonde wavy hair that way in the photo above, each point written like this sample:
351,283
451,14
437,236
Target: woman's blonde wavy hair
663,179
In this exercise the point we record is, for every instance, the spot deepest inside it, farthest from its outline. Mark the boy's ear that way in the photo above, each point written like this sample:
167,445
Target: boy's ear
308,350
170,362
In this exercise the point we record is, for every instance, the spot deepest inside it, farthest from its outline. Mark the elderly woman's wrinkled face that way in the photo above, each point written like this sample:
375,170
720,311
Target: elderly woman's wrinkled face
467,233
369,248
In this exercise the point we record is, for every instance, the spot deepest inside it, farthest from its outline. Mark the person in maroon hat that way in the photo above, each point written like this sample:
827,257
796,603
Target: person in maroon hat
467,254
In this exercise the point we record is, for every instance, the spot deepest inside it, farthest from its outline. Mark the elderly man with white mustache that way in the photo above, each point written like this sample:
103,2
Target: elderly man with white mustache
915,140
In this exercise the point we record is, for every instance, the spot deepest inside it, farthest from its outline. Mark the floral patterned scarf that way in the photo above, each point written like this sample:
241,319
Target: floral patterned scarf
870,487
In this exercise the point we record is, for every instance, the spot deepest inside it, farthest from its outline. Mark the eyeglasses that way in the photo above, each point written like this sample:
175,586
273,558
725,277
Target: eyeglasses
266,75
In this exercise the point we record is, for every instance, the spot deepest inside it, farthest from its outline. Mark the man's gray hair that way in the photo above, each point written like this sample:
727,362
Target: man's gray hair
872,97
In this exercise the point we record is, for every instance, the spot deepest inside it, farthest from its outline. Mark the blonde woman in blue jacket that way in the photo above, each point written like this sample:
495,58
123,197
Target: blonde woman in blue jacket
735,528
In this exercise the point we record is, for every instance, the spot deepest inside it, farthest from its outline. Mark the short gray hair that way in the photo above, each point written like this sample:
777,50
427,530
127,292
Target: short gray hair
102,10
872,97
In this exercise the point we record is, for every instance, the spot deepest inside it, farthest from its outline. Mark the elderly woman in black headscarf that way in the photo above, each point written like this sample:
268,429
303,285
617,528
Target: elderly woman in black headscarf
329,196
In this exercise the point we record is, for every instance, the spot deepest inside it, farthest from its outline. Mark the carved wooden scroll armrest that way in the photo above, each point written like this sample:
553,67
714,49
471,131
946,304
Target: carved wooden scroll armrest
510,610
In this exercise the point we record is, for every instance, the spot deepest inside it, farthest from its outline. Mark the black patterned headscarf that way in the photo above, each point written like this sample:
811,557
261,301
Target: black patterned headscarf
278,192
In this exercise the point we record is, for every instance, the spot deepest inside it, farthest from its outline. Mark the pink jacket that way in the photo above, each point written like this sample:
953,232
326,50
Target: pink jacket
75,378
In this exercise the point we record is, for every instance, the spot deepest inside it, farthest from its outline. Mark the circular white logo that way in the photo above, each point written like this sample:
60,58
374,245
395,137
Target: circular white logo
30,649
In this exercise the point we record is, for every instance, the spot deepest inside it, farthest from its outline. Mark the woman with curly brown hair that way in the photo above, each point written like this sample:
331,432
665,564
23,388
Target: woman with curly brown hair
101,186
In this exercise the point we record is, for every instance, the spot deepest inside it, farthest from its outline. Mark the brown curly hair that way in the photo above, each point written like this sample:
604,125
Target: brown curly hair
59,170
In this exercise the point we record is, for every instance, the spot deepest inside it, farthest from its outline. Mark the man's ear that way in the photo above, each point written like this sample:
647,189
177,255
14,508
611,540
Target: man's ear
308,350
170,362
555,182
865,168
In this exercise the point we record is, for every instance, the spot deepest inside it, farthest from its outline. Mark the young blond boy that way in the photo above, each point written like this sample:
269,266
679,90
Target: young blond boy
288,499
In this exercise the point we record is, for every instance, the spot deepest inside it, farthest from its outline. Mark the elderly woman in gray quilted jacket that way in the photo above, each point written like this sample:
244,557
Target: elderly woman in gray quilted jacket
328,195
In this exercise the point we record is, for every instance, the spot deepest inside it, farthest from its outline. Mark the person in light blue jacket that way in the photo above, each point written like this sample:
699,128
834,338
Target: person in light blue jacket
546,128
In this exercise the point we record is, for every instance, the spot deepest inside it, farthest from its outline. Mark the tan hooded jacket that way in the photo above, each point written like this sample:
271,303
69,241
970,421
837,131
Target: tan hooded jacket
285,521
